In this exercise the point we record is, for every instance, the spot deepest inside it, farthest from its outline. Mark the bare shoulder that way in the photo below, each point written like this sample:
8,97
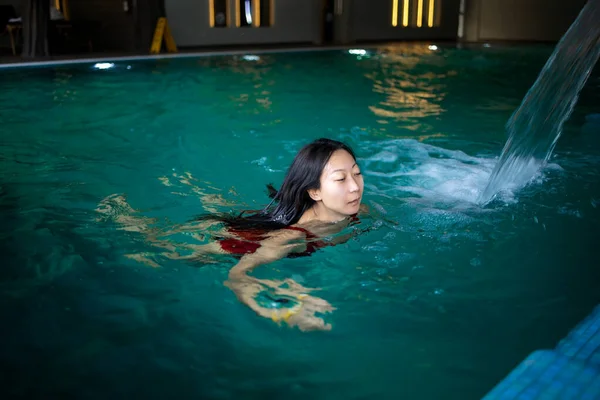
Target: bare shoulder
286,235
320,229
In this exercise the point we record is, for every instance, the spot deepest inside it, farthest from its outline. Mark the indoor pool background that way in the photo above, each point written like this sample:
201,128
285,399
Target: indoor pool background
440,299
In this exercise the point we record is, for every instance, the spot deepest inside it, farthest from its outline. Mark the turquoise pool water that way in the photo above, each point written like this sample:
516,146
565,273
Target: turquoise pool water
440,299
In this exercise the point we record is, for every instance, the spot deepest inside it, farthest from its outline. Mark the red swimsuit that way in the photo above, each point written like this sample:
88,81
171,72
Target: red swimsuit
250,242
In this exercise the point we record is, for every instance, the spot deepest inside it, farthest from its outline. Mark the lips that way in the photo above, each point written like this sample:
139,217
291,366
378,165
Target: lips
353,202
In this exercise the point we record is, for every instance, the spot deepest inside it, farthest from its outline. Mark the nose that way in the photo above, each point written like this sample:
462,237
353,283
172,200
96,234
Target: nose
354,187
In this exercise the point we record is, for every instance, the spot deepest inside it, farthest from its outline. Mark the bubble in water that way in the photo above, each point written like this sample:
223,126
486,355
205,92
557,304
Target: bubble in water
389,236
263,163
475,262
384,156
378,207
367,284
376,247
567,211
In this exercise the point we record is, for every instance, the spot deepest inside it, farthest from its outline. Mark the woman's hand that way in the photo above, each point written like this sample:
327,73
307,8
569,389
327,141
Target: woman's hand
246,287
301,315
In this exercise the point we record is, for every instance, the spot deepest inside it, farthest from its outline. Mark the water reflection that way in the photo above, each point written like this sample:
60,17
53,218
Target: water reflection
212,202
255,89
62,90
412,89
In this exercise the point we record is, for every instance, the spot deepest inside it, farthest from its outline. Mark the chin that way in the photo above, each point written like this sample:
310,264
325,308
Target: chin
353,209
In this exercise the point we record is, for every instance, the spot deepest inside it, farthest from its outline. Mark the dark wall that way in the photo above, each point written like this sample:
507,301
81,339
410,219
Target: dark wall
15,3
526,20
118,29
147,14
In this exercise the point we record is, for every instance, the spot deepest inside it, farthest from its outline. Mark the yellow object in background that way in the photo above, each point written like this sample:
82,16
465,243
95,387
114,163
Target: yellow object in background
161,32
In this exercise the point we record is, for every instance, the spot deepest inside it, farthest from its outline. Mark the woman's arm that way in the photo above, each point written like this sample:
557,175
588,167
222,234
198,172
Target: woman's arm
274,248
247,287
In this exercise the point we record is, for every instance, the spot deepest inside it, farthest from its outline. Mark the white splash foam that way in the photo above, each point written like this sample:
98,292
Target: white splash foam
263,163
434,174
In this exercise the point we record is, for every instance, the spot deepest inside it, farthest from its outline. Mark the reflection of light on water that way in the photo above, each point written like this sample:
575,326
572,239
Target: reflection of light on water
257,99
410,96
104,65
357,52
497,105
360,53
195,187
61,83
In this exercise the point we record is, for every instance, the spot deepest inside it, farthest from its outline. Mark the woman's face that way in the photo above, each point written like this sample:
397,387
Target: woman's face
341,187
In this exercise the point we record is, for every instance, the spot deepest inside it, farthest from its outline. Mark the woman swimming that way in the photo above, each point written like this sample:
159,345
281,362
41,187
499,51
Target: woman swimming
320,195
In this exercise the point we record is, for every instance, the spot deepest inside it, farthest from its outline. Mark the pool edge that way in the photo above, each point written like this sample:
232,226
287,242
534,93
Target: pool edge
570,370
184,54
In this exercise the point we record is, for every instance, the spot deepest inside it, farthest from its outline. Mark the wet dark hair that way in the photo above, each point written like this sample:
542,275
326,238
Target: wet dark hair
292,199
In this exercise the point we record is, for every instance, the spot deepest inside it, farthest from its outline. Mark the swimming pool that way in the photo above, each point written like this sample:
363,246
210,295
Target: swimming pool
440,299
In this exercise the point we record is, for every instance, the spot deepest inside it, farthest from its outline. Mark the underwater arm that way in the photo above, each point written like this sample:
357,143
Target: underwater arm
272,249
246,287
